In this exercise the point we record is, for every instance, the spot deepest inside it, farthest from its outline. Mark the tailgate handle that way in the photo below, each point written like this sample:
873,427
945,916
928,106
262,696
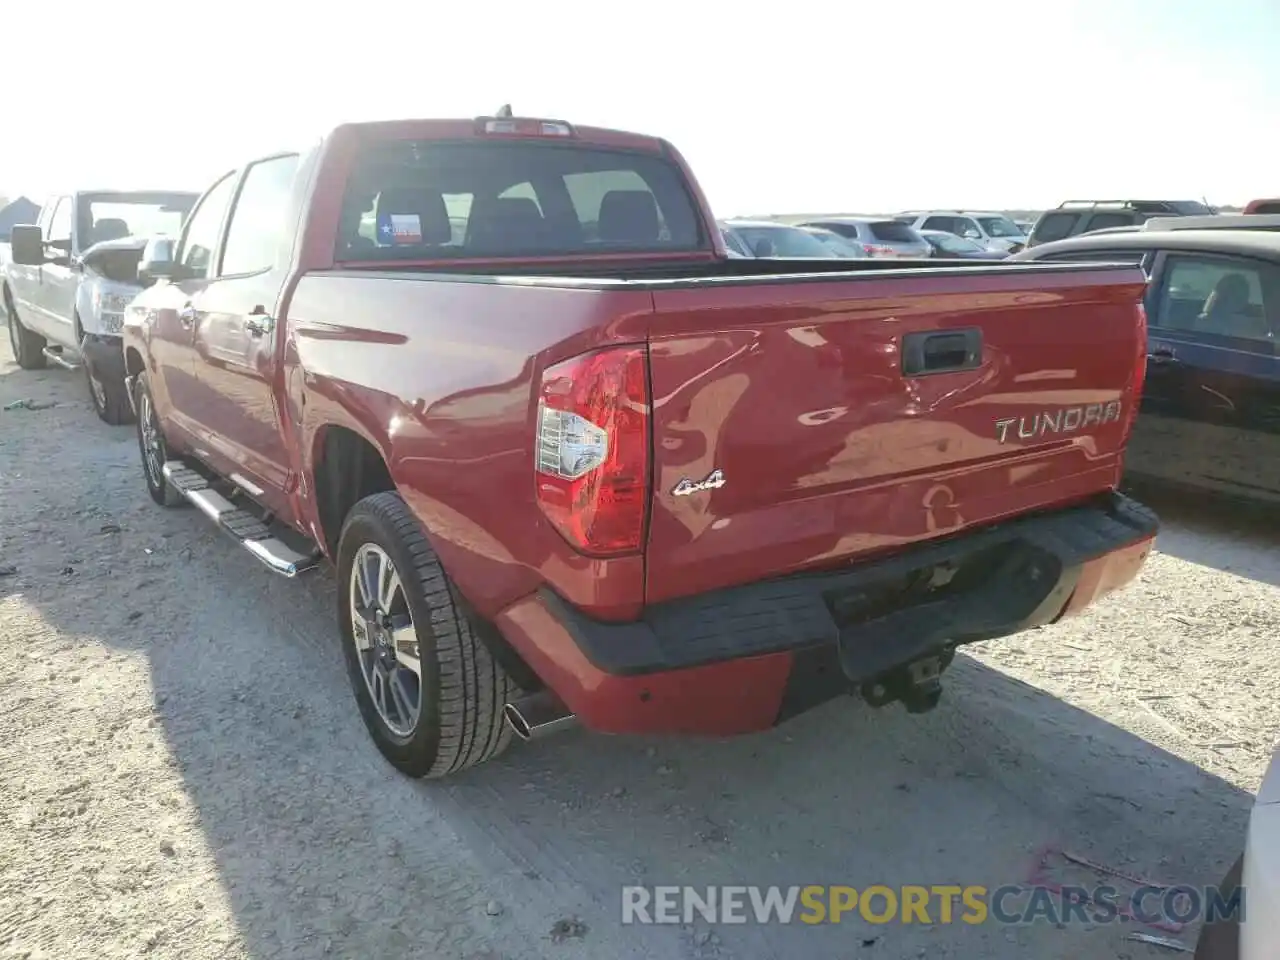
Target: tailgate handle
939,351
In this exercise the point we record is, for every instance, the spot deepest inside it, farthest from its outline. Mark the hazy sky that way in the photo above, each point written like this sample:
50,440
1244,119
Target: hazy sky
779,106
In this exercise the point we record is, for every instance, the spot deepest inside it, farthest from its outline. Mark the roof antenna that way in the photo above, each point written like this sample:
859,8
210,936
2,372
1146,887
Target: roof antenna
504,110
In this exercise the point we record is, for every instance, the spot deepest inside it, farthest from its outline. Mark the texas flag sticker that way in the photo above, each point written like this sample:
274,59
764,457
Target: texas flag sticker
399,228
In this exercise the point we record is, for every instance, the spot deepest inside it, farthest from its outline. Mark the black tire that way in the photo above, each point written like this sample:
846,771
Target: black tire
159,488
109,397
28,347
1220,940
462,687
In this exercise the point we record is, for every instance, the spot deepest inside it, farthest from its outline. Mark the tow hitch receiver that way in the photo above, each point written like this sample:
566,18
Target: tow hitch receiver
917,684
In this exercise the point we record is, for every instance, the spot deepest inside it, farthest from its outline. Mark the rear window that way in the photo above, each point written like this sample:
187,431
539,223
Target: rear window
1191,208
432,200
891,231
1055,226
1101,221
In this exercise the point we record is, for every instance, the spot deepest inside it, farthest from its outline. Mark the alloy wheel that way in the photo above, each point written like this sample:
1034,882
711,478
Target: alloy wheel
386,639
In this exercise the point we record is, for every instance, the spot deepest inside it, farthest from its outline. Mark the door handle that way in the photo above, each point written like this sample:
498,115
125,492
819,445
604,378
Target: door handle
941,351
187,315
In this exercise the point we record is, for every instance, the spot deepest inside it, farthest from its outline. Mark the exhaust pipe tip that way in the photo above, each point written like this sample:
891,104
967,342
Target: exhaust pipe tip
537,716
516,721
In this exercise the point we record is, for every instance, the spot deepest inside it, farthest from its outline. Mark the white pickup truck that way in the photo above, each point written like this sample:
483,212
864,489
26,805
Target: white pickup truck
69,276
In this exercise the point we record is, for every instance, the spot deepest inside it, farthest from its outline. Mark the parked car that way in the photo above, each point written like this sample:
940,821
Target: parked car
1075,217
878,236
734,247
68,280
1266,205
1217,221
563,496
959,248
1211,398
1252,932
842,247
991,231
766,238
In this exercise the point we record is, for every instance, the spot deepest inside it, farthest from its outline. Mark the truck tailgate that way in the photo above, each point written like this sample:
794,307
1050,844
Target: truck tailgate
800,423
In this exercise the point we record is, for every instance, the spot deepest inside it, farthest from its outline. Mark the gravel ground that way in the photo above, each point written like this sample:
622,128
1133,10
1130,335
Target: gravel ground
183,772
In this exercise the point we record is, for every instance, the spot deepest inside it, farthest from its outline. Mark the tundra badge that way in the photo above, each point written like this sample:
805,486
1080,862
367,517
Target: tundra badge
1063,420
714,481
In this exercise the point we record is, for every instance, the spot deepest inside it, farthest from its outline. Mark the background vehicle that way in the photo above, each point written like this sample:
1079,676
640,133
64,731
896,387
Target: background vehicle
553,495
1083,216
68,280
842,247
881,237
1266,205
1251,934
991,231
765,238
958,248
1212,392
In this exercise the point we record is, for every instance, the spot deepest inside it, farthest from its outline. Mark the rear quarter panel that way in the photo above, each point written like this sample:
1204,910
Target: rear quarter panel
440,375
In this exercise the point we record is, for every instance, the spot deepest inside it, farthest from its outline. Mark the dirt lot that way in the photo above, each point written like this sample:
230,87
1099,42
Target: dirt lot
183,773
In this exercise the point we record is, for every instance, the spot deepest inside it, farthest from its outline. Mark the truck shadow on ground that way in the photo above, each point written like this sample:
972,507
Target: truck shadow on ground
1235,536
323,850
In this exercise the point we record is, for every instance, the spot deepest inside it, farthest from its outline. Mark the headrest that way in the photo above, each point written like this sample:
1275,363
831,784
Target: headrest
109,228
628,216
408,216
512,222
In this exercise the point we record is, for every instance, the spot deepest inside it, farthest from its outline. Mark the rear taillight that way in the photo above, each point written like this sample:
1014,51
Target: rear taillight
1139,373
592,469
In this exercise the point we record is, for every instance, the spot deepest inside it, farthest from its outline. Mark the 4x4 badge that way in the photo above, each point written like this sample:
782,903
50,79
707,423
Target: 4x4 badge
714,481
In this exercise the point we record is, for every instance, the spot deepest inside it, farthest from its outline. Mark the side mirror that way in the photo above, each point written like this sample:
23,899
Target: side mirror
26,245
157,261
763,247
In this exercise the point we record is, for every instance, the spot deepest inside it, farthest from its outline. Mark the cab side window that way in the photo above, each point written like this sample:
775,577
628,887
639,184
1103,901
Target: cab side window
200,238
60,224
258,219
1219,296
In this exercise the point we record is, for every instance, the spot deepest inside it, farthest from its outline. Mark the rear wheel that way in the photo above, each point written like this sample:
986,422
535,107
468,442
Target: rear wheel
152,446
28,347
430,693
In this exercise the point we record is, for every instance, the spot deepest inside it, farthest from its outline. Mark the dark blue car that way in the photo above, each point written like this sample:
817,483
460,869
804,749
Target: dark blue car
1210,415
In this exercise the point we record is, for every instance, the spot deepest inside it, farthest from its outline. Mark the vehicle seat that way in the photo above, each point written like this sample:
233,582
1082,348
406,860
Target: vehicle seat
629,216
427,205
108,228
1227,311
507,223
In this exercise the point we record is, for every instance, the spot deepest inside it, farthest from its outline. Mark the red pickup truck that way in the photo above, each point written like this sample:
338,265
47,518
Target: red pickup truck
573,462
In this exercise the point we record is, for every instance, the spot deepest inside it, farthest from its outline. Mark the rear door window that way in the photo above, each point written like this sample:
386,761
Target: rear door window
946,224
258,226
1055,226
1219,297
441,200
